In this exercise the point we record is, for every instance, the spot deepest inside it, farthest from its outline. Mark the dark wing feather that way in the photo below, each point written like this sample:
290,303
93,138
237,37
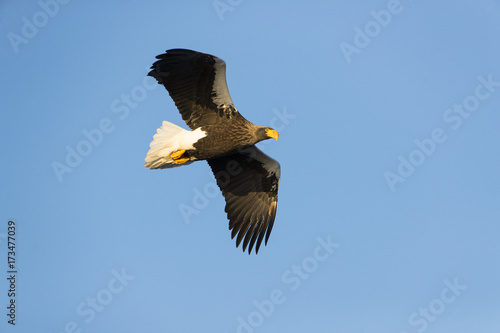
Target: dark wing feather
249,181
197,84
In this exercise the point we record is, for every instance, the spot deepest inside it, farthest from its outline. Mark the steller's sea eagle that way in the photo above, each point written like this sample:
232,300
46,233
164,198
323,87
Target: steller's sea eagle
219,134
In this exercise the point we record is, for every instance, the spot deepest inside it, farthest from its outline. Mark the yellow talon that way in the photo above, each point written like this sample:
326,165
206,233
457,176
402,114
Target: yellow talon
177,154
181,160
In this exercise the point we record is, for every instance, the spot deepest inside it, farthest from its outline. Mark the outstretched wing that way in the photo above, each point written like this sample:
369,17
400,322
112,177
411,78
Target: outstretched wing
249,181
197,84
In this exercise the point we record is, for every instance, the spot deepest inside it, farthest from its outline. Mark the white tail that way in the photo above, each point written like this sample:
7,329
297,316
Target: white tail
168,139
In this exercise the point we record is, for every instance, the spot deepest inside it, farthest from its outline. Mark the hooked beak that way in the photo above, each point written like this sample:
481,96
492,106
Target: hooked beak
272,134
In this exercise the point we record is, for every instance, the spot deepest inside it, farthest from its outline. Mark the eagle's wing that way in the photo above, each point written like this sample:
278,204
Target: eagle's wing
197,84
249,181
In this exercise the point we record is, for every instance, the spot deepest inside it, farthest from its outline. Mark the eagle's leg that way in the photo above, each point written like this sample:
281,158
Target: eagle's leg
177,156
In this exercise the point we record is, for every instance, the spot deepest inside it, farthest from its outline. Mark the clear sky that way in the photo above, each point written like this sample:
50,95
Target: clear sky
388,214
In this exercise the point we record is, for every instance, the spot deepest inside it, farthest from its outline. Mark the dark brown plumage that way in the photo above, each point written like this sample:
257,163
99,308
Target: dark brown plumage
251,193
248,178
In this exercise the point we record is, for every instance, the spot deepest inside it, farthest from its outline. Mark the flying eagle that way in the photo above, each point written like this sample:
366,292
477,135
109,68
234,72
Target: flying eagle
219,134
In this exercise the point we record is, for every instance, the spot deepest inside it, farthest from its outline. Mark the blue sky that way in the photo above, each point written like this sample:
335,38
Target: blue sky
388,215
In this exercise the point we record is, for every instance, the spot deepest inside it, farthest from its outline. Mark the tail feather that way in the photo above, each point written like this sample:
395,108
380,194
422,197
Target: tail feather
168,139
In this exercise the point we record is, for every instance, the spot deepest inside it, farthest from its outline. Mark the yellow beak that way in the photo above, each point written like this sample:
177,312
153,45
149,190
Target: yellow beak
272,134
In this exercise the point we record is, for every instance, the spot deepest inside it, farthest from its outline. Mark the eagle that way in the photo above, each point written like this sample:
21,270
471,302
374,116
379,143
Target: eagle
219,134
